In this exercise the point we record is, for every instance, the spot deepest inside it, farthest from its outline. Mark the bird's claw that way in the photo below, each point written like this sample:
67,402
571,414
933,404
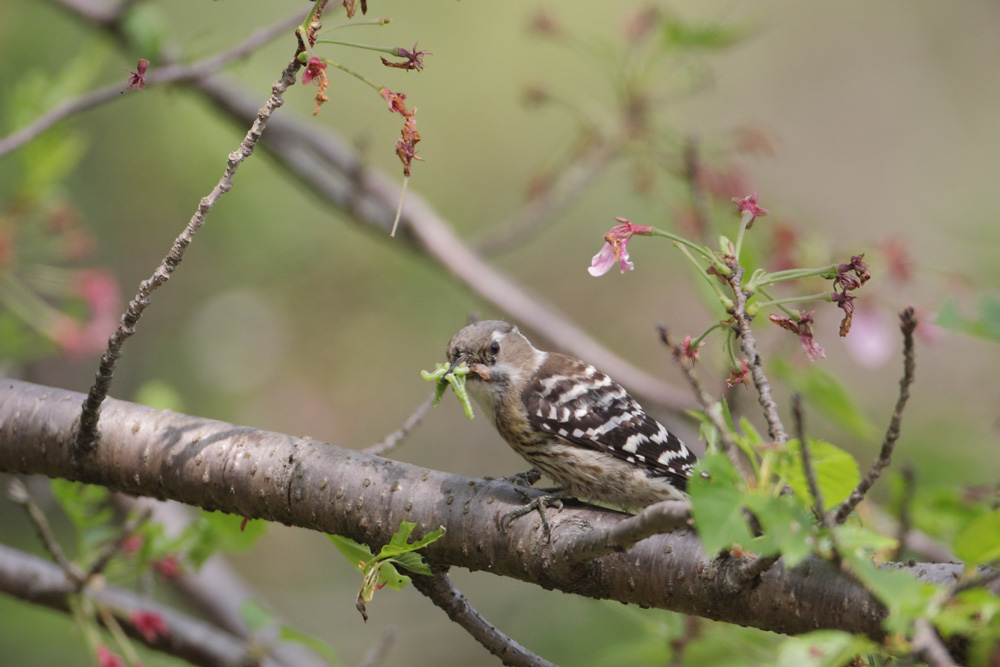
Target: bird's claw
539,504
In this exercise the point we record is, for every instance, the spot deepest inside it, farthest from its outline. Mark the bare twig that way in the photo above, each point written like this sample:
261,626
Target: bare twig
981,579
663,517
748,344
907,324
712,408
19,495
905,505
439,589
741,574
86,439
927,646
114,546
394,438
156,75
807,467
692,630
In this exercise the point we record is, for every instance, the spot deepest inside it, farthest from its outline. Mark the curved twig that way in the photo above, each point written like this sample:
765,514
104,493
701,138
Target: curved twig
86,439
439,590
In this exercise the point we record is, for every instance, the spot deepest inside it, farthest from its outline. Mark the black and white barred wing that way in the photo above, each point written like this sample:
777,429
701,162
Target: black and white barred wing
581,405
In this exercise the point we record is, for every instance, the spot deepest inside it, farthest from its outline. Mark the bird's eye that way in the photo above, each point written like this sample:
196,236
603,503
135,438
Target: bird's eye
494,347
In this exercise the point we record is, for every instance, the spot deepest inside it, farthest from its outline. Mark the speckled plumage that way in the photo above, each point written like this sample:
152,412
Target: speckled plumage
570,421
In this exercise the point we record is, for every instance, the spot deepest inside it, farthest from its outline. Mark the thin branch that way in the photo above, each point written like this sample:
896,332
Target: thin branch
113,547
439,589
981,579
907,324
217,591
324,163
711,407
19,495
393,439
928,647
692,630
748,345
807,467
663,517
741,574
905,526
155,76
87,435
33,579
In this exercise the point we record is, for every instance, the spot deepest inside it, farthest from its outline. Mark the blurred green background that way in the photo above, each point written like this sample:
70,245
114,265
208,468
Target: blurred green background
287,316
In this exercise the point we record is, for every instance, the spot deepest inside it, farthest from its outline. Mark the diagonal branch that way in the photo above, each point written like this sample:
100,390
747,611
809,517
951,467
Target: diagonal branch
439,590
908,322
156,76
86,439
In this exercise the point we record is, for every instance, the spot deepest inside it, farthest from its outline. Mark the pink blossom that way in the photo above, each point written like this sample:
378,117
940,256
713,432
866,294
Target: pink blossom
168,566
138,78
749,209
132,544
149,624
314,71
615,248
740,376
106,658
801,326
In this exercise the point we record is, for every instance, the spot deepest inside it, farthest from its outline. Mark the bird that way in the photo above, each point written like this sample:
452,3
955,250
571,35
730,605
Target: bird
570,421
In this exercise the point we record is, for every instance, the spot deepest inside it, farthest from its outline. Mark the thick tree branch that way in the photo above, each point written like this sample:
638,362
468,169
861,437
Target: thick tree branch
317,486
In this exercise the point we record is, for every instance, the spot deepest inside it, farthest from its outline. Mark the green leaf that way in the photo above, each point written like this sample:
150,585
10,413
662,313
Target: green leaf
837,472
827,395
985,323
905,596
160,395
215,532
689,36
786,525
399,544
355,553
289,634
255,616
717,503
380,570
413,562
823,648
979,541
